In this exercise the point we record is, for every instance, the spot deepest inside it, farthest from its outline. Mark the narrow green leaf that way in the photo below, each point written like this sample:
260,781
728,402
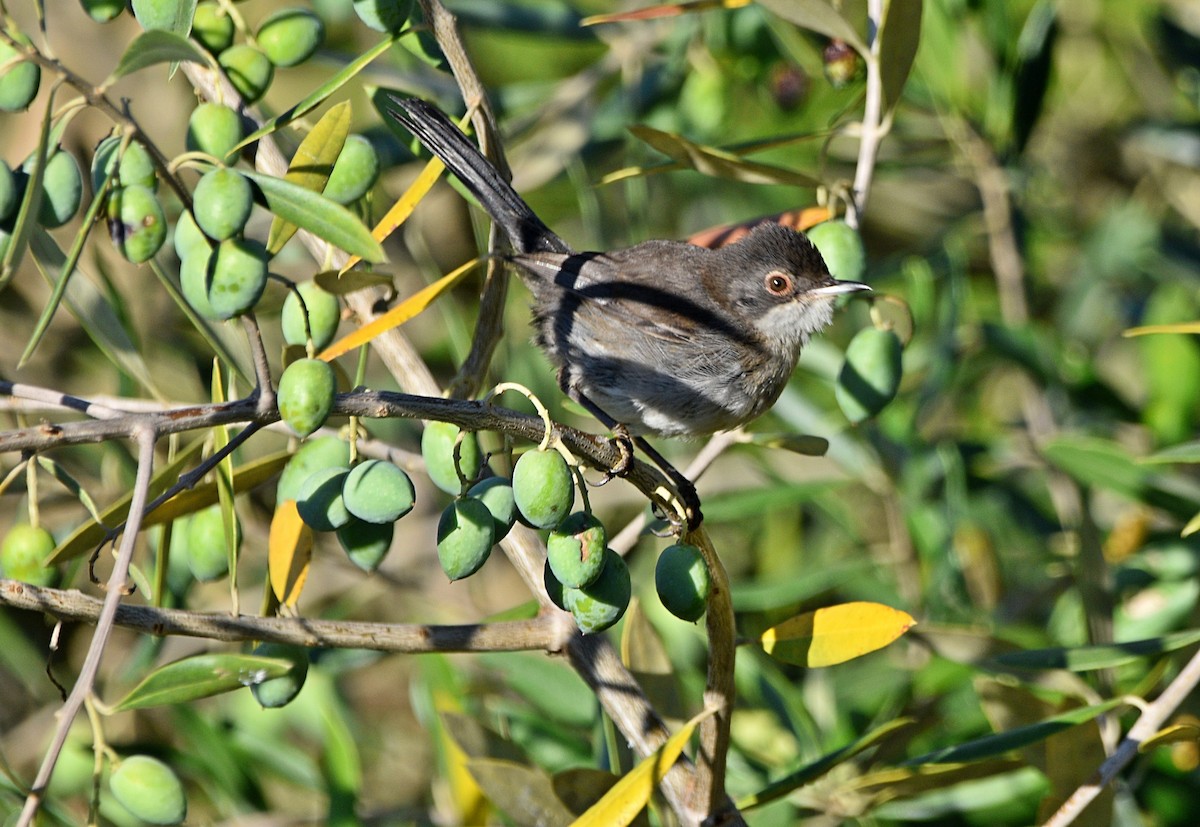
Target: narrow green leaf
311,164
320,216
26,218
1104,656
1184,453
154,47
219,339
70,483
201,676
719,163
322,92
991,746
898,47
818,16
224,478
351,280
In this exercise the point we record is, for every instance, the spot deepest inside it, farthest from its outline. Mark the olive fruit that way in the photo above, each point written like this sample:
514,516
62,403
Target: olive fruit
601,604
215,129
248,70
382,15
103,11
464,537
149,789
62,190
378,492
137,167
682,581
306,391
277,692
235,276
193,281
841,247
213,27
497,494
207,552
575,549
354,172
221,203
189,240
437,447
554,589
18,83
290,36
543,488
155,14
319,500
312,456
10,193
870,376
323,315
366,544
24,550
136,223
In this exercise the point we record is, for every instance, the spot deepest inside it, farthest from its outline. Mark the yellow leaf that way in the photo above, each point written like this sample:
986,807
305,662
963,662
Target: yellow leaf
835,634
1146,330
1174,734
311,164
398,315
629,796
468,797
404,207
289,550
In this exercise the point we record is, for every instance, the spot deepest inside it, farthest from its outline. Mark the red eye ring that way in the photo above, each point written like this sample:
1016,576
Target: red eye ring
778,283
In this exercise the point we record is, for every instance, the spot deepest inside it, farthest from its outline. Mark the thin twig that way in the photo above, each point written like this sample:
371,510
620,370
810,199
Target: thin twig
873,130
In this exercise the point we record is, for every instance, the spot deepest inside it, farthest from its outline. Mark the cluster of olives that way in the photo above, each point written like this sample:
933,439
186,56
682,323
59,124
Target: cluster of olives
136,222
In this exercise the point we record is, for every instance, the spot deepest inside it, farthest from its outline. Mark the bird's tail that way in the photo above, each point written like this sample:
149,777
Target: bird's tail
526,232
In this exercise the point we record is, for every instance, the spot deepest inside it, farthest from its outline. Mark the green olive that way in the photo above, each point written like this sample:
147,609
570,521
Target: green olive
215,129
236,276
871,374
136,223
193,281
354,172
137,167
208,551
377,491
682,581
554,589
543,488
306,392
23,552
280,691
575,550
319,499
841,247
497,494
221,203
324,313
10,193
437,447
464,537
598,606
189,240
366,544
248,70
213,27
312,456
290,36
103,11
18,83
62,190
382,15
149,789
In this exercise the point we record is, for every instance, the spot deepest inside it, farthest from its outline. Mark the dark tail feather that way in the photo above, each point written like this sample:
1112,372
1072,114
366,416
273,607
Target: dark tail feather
524,229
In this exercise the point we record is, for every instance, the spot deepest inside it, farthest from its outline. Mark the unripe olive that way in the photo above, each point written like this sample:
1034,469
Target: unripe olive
236,276
682,581
207,553
312,456
19,83
841,247
870,376
213,27
378,492
437,447
324,312
382,15
248,70
193,281
137,167
280,691
319,500
10,193
215,129
136,223
154,14
366,544
464,537
22,553
103,11
62,190
190,241
554,589
575,549
601,604
354,172
306,391
290,36
221,203
543,488
148,789
497,494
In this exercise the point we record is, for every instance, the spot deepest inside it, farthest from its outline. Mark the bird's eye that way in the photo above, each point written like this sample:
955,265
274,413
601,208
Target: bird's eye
778,284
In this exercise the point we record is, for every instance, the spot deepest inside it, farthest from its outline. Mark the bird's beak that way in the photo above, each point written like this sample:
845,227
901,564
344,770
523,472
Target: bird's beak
837,288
